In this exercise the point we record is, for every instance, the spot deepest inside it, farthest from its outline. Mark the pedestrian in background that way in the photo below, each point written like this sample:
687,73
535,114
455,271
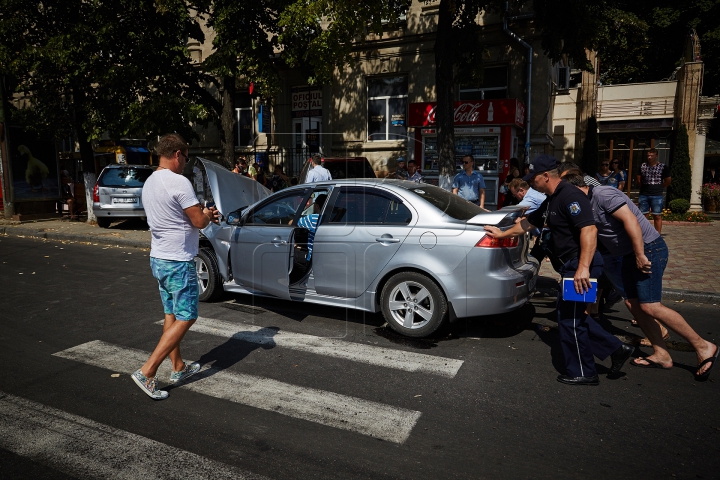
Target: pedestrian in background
318,173
653,178
279,180
469,183
643,255
174,216
401,173
513,173
604,174
260,175
568,214
413,174
619,175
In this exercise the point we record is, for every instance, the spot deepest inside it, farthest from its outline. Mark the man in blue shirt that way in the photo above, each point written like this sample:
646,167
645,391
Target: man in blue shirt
470,184
528,197
318,173
310,222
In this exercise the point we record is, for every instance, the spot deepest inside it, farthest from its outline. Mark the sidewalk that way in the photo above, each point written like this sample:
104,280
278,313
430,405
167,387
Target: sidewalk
693,273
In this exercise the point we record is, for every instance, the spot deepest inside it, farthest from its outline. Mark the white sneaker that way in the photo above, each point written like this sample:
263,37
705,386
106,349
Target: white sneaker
149,386
187,371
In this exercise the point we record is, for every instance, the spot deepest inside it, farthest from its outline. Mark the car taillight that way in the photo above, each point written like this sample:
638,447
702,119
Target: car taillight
489,242
96,195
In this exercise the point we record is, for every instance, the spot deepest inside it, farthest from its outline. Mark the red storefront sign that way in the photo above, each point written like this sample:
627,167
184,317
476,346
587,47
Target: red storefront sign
506,111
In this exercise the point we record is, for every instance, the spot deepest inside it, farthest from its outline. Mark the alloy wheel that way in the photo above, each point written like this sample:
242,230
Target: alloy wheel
411,305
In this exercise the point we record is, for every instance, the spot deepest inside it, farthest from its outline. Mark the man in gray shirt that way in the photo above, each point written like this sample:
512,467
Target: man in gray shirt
627,234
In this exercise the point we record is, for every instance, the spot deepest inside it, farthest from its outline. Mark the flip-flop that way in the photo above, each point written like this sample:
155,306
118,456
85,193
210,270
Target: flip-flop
711,360
650,363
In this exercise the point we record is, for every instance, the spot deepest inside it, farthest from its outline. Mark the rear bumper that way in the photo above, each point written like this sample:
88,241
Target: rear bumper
501,291
119,212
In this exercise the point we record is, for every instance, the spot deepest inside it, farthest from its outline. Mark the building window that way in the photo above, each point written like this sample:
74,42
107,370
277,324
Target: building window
243,120
387,108
494,86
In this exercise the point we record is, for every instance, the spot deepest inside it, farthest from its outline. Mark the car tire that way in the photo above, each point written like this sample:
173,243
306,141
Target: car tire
208,274
429,312
103,222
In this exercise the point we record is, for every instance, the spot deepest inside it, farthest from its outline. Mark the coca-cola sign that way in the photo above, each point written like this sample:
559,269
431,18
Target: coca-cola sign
507,111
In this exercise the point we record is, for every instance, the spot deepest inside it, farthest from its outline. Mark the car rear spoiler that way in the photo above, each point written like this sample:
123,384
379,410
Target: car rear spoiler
504,217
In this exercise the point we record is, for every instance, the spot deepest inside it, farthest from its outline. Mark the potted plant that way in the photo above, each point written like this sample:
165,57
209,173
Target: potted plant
710,193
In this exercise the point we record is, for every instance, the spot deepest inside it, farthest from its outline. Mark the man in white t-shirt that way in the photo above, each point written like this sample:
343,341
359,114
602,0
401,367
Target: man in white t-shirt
174,216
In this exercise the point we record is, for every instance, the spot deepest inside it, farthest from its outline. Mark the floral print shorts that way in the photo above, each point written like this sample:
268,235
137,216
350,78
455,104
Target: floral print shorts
178,287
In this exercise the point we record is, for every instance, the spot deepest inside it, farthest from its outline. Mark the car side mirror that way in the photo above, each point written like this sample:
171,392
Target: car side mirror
234,217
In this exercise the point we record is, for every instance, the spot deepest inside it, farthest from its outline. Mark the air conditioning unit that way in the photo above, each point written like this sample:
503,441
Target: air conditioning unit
563,78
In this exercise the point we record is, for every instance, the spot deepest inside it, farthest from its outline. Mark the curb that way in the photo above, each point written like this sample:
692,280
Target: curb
690,296
119,242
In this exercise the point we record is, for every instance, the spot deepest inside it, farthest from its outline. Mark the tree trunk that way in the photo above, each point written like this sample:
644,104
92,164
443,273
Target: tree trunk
445,90
86,151
227,121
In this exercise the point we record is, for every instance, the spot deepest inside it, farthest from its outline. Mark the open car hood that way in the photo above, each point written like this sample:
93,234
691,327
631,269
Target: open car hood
230,190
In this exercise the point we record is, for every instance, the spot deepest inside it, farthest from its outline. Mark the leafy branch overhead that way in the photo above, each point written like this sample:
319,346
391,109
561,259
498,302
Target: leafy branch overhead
321,35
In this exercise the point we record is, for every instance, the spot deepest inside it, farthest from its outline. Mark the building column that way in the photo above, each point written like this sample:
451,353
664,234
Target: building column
707,106
698,165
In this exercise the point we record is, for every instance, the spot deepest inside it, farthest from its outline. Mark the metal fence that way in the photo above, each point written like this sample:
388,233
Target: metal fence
292,160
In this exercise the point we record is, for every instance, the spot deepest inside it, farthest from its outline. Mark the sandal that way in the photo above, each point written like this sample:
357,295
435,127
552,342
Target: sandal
711,360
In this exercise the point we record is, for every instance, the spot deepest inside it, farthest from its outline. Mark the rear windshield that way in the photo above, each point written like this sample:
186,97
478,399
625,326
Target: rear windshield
353,169
452,205
126,177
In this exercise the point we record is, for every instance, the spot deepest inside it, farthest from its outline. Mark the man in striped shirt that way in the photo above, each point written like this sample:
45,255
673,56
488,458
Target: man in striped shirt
310,222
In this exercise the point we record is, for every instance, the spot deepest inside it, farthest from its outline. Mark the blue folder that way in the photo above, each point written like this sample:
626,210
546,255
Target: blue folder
569,294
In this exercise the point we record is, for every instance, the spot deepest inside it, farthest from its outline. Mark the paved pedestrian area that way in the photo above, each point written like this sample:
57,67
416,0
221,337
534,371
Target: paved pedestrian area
694,249
694,263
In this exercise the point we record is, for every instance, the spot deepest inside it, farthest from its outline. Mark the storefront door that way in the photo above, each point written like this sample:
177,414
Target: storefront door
306,140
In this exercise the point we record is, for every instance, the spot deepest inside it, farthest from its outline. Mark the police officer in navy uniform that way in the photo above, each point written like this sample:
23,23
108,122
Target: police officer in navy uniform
572,245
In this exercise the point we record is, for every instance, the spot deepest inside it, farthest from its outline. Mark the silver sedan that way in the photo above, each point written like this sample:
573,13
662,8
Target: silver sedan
414,251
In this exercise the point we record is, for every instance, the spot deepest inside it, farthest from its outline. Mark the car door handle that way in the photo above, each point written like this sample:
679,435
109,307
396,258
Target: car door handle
387,239
277,241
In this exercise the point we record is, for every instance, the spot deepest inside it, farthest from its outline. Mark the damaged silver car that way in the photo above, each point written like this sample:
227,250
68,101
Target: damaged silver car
414,252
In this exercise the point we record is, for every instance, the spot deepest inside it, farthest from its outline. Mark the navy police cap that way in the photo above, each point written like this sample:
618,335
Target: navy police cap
540,164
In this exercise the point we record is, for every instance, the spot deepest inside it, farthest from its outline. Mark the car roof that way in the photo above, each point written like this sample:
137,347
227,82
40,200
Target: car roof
345,159
125,165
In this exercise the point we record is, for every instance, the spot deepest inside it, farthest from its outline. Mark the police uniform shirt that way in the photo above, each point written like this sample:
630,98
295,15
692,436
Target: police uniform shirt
568,210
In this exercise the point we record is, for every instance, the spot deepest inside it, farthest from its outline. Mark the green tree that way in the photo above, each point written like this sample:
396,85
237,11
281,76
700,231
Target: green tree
90,66
589,162
645,40
245,51
681,185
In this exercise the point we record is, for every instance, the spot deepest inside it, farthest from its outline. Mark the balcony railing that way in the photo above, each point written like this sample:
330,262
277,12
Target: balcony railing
658,107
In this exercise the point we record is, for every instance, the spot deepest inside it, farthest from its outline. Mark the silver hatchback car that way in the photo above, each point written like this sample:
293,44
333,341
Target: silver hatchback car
118,193
414,251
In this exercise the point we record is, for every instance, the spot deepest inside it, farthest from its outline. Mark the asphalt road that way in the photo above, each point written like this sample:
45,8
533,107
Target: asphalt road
345,400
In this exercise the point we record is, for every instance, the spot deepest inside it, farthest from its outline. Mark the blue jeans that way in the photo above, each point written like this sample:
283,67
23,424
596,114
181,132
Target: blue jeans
646,203
646,287
612,268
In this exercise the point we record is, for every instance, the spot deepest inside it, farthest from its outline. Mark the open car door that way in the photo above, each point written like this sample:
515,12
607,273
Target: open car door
262,246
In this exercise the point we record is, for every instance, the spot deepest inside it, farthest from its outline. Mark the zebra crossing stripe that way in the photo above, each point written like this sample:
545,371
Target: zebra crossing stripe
366,417
84,448
331,347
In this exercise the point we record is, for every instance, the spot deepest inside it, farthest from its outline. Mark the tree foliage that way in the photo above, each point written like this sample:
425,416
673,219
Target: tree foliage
680,171
321,35
645,40
92,66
